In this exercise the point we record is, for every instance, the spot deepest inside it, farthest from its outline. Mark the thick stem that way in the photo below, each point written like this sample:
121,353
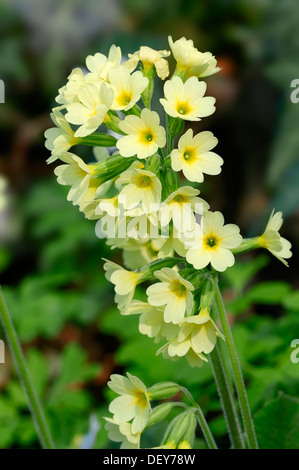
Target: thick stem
201,421
33,401
226,398
237,373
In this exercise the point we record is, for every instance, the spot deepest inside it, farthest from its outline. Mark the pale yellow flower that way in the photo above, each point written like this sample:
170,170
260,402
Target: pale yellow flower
141,187
133,402
81,177
91,108
273,241
61,138
214,243
124,281
190,61
186,100
180,207
152,58
100,65
122,432
174,292
184,445
174,350
151,321
69,92
194,158
202,332
145,135
127,88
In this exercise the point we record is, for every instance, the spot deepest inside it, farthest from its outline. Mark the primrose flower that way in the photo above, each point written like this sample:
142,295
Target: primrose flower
194,158
272,240
145,135
91,109
61,138
122,432
202,332
82,178
174,292
186,100
214,243
100,65
174,350
190,61
141,186
127,88
124,281
151,321
151,58
132,404
68,93
180,207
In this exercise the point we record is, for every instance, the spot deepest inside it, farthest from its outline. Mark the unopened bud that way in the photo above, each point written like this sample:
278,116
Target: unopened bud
159,413
98,139
112,167
179,427
153,163
175,126
163,390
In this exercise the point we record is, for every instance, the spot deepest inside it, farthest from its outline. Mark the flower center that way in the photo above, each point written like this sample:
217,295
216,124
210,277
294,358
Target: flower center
124,98
146,136
140,399
183,108
211,241
189,154
178,289
143,181
179,198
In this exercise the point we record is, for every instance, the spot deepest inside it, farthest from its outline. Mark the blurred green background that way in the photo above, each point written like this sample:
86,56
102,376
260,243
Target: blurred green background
50,258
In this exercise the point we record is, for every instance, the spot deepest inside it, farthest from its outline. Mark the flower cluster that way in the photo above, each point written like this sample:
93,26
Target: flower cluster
135,193
169,237
132,413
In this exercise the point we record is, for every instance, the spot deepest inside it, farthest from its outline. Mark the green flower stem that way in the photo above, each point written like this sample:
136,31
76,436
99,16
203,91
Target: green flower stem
226,398
201,421
237,373
33,401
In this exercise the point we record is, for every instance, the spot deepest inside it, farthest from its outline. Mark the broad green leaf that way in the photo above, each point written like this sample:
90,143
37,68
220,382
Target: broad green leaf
271,292
291,301
277,423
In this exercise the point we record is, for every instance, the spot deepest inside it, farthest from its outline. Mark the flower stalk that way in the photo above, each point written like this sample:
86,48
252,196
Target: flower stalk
35,406
237,372
226,398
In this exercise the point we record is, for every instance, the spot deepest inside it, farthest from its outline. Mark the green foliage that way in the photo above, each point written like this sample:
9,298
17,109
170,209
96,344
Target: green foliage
277,423
59,381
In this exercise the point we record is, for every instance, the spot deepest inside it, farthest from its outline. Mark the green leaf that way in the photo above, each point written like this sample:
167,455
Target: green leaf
291,301
242,272
277,424
270,293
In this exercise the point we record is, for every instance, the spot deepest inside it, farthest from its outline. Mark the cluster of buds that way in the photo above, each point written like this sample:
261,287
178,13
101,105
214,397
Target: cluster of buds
168,235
